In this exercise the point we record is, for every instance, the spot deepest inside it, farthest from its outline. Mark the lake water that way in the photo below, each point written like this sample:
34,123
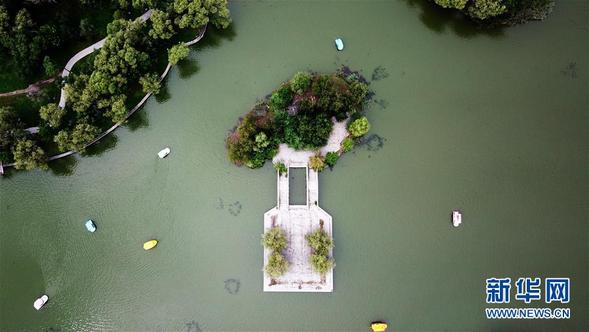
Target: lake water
494,123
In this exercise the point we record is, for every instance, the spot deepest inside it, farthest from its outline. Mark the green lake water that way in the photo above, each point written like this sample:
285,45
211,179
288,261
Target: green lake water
495,123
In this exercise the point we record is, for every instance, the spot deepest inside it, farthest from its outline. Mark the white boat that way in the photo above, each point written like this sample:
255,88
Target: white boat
164,153
90,226
456,218
40,302
339,44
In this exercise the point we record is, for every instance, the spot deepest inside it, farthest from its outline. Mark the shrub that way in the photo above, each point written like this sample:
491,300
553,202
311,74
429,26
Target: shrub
300,82
281,168
281,98
277,265
319,241
347,144
331,158
359,127
321,263
317,163
274,239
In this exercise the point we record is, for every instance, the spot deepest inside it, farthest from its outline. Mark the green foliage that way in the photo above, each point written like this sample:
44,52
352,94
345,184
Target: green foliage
317,163
49,67
161,25
359,127
321,263
27,155
281,98
277,265
150,83
177,52
458,4
483,9
347,145
82,134
274,239
298,113
300,82
118,110
331,158
52,114
196,14
11,130
321,243
281,168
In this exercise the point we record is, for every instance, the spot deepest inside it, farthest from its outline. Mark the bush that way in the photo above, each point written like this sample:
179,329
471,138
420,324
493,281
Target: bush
281,98
319,241
347,144
359,127
317,163
274,239
331,158
277,265
321,263
300,82
281,168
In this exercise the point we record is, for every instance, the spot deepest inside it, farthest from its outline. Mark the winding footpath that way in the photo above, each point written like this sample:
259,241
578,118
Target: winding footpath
87,51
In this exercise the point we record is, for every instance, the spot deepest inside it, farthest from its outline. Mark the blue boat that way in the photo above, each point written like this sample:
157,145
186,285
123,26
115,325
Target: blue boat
90,226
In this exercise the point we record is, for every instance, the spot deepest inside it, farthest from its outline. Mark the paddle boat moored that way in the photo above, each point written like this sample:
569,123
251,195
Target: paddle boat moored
40,302
90,226
164,153
339,44
456,218
149,244
378,326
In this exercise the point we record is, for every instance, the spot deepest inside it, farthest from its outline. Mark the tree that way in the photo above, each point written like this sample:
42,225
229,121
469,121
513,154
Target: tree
300,82
277,265
483,9
11,130
52,114
82,134
458,4
150,83
281,168
274,239
27,155
317,163
161,25
359,127
49,67
347,145
177,53
331,158
321,263
321,243
118,110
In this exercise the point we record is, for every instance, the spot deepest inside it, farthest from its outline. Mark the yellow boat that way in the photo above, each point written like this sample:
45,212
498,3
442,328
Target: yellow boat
150,244
378,326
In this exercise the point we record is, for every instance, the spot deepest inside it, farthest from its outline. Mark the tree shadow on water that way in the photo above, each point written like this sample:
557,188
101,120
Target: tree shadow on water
440,20
213,37
64,166
107,143
188,67
137,120
164,94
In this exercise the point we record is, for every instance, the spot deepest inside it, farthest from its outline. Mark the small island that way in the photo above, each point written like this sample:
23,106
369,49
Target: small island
306,124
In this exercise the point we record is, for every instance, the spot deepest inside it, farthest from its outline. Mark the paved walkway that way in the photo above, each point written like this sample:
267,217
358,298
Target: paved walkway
299,220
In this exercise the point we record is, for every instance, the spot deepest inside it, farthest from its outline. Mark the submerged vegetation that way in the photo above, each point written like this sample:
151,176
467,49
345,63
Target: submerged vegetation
501,11
103,90
299,113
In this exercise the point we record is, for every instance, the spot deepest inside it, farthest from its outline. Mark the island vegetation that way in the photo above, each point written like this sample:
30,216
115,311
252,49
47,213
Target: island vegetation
507,12
103,87
300,113
321,243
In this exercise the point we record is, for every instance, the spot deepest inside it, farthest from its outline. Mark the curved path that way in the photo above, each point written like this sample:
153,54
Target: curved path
133,110
84,53
32,89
